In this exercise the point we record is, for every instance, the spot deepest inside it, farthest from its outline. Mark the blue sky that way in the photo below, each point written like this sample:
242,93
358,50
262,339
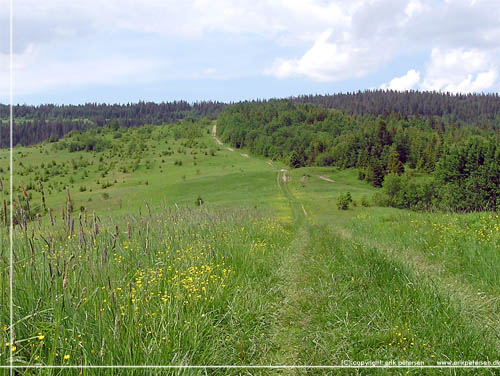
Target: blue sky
126,51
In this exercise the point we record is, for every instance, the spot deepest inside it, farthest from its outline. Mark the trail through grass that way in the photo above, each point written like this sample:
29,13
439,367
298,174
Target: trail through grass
266,271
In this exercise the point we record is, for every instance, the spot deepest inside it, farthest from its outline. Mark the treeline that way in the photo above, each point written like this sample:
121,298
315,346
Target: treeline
308,135
466,178
481,109
33,124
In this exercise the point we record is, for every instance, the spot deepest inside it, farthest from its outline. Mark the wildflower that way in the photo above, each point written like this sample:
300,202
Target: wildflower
66,357
40,336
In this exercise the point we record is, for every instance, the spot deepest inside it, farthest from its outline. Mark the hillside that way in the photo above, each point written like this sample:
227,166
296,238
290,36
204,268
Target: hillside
387,150
174,247
35,124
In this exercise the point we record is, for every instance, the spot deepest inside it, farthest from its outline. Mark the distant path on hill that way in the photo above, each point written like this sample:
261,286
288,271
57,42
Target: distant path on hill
322,177
214,134
219,142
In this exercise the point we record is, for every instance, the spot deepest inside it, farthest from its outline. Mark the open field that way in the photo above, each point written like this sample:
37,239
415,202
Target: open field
266,271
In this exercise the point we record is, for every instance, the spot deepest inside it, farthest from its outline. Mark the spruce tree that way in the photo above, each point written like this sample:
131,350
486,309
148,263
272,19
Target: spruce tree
394,165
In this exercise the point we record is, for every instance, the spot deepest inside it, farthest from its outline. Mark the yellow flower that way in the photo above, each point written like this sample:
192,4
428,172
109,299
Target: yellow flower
66,357
14,348
40,336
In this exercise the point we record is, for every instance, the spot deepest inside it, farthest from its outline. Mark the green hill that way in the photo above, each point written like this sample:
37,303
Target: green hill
178,249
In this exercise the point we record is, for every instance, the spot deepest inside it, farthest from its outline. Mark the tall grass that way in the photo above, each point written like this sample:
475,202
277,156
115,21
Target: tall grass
355,303
173,286
463,246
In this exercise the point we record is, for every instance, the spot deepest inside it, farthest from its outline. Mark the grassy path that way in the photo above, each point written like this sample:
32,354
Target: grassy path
345,296
289,315
292,315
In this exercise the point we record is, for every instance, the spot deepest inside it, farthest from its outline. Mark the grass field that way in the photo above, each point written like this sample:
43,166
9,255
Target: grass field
266,271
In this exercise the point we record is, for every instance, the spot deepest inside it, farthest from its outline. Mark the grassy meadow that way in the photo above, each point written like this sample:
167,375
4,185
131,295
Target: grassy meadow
131,270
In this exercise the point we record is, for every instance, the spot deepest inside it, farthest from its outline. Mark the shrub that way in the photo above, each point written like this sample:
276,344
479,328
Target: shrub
404,192
343,201
468,175
364,201
380,199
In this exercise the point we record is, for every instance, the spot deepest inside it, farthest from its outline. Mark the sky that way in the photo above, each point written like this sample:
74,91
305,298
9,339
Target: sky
120,51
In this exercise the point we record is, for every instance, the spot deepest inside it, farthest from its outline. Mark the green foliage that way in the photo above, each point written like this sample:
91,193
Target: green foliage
394,164
469,175
404,192
375,173
344,200
88,142
365,202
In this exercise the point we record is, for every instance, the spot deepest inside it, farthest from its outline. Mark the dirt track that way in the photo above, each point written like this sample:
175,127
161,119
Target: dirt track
214,134
326,179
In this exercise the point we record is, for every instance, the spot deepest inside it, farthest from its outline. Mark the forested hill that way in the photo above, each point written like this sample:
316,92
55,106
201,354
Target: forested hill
480,109
465,159
34,124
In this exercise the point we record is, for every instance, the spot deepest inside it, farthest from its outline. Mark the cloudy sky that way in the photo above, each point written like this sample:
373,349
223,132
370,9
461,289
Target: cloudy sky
161,50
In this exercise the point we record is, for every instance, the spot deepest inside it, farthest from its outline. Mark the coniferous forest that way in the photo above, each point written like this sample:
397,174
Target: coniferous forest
462,158
35,124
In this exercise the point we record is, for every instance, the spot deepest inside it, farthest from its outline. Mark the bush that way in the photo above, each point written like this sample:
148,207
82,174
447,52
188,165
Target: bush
380,199
344,200
468,175
105,195
364,201
404,192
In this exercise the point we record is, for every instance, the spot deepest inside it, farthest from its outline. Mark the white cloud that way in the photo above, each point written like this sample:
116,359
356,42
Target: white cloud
34,73
360,36
58,19
460,70
406,82
327,61
413,7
